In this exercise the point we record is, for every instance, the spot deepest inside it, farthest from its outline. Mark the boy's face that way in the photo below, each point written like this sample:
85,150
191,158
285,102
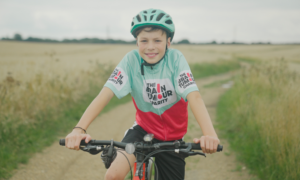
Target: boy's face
152,45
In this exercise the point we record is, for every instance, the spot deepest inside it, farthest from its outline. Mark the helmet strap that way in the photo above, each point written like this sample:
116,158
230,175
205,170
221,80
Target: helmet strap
148,64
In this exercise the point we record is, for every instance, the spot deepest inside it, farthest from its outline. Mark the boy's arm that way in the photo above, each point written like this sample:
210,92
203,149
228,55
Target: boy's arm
73,139
209,141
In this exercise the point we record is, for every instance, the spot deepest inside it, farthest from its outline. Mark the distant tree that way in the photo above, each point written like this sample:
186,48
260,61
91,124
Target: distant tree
184,41
18,37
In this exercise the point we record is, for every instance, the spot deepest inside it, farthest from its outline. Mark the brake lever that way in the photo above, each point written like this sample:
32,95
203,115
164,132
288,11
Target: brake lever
193,153
92,149
187,150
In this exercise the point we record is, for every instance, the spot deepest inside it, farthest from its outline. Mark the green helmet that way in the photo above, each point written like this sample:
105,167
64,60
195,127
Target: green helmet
153,17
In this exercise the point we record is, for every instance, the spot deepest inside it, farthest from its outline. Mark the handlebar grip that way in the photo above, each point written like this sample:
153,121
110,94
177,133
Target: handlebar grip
198,147
62,142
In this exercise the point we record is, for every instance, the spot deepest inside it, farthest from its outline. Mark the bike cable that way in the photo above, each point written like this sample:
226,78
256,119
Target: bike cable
151,154
127,161
156,169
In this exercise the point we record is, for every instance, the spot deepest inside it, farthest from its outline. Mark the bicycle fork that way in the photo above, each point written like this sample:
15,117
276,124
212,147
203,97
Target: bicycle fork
139,173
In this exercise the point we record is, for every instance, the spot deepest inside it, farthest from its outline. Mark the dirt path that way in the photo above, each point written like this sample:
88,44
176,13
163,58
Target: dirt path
57,162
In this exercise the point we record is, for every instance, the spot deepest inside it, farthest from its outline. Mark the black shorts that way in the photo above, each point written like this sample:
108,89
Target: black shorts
171,166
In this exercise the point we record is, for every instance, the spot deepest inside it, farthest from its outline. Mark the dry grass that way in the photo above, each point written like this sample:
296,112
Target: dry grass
22,100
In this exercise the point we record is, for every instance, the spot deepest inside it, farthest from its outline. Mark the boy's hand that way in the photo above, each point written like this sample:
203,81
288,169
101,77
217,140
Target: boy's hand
73,139
208,144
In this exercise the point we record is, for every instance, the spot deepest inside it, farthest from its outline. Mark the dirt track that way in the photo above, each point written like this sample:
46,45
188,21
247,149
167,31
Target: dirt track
57,162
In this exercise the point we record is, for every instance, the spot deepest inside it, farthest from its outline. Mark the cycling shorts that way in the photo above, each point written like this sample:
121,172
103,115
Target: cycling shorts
171,165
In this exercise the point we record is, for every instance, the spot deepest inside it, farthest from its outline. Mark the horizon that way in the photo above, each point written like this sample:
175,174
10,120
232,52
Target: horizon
114,41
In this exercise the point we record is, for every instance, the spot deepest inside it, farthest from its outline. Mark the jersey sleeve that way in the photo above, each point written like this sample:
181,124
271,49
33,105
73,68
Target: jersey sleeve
184,80
119,81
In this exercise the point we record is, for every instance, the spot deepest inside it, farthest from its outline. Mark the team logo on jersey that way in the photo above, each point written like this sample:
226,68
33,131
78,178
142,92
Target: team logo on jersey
159,92
118,78
185,80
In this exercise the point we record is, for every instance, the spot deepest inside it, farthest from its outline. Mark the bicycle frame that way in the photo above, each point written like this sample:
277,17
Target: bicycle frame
135,174
139,171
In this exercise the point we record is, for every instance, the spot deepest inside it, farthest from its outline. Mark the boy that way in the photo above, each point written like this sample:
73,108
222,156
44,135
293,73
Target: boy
160,82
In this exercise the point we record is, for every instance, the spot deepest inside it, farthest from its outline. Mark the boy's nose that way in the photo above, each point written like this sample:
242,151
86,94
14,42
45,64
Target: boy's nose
151,46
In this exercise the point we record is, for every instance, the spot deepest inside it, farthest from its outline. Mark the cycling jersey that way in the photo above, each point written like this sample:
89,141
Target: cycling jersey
159,95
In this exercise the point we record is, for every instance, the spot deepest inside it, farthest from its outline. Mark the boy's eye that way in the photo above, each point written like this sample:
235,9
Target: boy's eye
157,40
143,40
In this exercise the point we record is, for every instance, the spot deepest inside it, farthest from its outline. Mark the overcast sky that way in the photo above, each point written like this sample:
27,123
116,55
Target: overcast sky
197,20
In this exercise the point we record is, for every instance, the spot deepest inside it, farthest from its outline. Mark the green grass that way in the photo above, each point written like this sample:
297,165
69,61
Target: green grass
259,116
208,69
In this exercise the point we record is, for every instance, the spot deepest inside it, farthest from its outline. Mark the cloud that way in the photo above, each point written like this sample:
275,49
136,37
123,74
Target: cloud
197,20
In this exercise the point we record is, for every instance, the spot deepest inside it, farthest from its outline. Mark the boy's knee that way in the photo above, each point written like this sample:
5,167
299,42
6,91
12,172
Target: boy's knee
113,176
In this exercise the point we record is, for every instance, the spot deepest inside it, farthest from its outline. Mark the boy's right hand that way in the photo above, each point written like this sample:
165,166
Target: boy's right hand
74,138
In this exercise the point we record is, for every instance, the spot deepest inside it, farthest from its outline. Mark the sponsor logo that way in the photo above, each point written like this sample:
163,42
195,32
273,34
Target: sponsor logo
118,78
159,92
185,80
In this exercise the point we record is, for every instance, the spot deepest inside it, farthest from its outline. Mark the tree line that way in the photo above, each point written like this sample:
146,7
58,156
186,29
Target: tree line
18,37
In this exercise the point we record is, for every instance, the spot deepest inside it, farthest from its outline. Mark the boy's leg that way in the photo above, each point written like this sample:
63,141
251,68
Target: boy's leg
120,167
171,166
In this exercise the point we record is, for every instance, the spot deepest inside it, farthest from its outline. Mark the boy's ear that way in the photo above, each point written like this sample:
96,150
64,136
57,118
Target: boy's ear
136,42
169,42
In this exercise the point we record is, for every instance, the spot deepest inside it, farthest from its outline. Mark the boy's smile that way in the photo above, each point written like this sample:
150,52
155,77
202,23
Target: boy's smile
152,45
151,55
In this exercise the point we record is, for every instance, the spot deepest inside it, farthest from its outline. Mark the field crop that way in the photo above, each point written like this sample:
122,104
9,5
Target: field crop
210,53
260,116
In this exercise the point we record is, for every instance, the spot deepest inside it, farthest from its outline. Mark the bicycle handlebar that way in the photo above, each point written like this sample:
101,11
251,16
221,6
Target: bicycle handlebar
143,146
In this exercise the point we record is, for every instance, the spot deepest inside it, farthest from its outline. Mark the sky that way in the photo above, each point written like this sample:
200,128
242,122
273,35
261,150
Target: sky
276,21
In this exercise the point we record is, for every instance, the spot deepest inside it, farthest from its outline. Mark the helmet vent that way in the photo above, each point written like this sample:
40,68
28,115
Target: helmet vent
145,17
132,23
160,16
151,17
153,11
145,12
169,22
167,16
138,18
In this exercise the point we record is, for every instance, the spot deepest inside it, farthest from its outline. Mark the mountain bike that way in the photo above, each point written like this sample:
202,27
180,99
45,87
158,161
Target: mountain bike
143,151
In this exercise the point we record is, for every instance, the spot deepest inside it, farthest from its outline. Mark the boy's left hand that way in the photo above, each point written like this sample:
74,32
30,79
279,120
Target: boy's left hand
208,144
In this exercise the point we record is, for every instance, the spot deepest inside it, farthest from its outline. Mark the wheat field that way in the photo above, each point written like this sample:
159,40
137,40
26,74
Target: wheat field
23,60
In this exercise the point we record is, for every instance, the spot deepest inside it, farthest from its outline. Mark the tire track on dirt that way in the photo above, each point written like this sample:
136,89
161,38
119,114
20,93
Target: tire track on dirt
56,162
